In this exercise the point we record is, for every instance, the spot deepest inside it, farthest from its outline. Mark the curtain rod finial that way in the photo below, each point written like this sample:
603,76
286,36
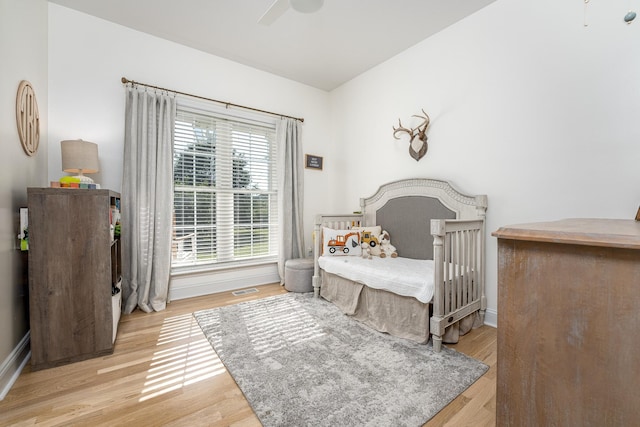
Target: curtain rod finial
124,80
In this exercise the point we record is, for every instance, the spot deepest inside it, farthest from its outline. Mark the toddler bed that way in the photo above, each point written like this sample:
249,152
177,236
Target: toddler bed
435,285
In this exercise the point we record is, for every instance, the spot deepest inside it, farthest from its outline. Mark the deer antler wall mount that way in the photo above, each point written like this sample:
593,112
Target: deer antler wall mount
418,136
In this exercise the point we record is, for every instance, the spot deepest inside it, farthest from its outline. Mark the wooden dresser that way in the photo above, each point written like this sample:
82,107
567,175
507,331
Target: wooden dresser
74,265
569,323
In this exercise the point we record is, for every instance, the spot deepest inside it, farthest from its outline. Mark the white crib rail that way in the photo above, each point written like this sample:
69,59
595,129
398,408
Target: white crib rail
458,247
336,222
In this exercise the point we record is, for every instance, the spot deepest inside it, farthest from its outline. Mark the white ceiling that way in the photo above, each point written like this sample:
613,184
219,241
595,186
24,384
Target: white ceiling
324,49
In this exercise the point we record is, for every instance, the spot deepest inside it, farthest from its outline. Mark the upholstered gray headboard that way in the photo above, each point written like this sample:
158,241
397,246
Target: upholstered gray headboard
405,209
408,221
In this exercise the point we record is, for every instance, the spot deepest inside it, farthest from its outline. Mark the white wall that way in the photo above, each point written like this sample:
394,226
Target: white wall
23,56
526,105
87,58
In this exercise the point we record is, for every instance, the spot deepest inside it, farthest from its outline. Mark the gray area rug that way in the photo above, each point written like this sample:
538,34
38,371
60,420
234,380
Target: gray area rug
301,362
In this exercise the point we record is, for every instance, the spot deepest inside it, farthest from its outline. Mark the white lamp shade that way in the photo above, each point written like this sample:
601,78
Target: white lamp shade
79,156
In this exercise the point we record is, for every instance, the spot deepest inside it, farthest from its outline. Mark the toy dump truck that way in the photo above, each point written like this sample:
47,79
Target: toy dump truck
369,238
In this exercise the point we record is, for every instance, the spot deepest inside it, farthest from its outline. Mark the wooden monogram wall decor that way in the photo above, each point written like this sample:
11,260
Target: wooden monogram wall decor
418,136
27,118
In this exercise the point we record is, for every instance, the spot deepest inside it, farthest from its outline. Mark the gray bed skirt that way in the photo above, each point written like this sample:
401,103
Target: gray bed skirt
397,315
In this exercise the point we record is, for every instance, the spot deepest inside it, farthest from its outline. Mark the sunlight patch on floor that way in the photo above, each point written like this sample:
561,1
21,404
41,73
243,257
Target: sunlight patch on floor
174,366
272,327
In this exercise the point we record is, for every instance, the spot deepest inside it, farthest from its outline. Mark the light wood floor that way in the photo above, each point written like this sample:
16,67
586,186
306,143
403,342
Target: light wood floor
164,372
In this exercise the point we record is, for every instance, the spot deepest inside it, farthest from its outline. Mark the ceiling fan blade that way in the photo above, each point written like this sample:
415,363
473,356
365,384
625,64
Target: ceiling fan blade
275,11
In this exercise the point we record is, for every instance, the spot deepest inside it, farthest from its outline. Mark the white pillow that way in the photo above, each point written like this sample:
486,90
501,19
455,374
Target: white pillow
340,242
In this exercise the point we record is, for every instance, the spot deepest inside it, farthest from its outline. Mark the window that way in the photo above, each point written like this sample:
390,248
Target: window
225,204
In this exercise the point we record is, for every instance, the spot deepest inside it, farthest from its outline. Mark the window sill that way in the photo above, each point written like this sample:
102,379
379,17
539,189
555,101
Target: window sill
208,268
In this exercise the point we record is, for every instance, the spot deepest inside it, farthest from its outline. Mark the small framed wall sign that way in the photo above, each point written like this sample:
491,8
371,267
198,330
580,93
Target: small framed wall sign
312,162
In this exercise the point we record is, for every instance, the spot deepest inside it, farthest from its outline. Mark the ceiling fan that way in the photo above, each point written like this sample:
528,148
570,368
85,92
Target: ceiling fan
279,7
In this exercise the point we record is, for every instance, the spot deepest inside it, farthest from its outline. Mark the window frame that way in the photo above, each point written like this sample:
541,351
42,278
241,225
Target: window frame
239,117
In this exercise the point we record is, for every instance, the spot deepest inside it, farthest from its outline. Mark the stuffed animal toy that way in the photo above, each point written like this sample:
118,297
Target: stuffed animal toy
366,250
386,248
376,251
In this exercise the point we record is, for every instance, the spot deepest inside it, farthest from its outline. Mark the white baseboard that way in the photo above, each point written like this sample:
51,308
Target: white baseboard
491,317
13,364
211,282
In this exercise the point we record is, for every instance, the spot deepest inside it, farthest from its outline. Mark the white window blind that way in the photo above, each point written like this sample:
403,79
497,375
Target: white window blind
225,203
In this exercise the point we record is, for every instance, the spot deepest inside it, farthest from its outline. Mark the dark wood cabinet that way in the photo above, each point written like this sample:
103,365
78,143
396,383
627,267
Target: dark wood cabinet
73,268
568,321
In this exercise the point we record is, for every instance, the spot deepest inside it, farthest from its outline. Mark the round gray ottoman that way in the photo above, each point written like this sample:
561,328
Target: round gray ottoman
298,274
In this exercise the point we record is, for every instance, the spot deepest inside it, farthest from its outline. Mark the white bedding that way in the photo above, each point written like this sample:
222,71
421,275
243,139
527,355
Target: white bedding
402,276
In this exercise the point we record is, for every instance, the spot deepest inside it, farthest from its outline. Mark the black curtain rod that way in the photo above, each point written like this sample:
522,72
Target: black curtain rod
228,104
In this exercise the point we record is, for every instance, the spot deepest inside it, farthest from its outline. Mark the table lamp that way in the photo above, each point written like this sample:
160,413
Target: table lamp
80,157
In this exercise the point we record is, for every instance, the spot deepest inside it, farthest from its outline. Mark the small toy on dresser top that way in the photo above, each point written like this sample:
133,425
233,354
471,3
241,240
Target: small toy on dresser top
73,182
